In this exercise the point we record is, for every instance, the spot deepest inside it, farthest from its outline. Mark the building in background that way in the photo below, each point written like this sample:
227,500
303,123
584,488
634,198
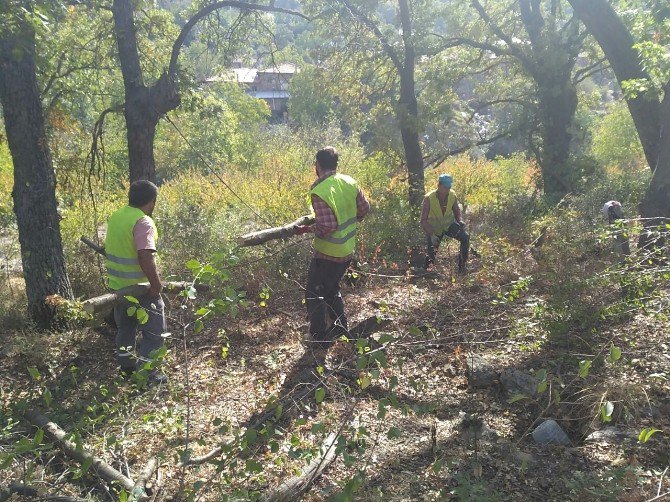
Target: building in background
269,84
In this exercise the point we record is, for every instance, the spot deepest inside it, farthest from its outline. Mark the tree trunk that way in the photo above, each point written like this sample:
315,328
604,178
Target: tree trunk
34,179
144,105
408,110
557,104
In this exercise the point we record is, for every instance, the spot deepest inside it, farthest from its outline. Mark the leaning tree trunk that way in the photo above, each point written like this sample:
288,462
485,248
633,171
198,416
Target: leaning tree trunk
144,105
558,105
34,179
651,118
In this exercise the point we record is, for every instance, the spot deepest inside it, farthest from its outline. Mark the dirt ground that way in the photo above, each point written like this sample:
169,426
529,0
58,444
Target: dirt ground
414,425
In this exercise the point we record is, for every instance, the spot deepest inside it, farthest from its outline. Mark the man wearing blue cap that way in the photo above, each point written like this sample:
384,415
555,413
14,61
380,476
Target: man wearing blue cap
440,217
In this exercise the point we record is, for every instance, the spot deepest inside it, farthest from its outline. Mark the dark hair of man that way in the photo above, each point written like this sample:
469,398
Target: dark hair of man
327,158
141,193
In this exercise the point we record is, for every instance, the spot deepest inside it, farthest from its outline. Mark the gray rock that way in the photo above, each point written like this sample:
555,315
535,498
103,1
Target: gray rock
549,432
518,382
480,373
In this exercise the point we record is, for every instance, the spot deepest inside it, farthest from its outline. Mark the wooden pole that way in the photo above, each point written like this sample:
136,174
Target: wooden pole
105,302
104,470
262,236
139,490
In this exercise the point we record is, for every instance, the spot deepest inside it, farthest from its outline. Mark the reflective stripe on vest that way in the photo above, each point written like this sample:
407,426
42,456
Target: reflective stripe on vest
123,266
339,191
440,222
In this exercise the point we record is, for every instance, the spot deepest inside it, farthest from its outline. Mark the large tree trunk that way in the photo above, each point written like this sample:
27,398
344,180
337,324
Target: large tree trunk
558,104
34,179
652,119
144,105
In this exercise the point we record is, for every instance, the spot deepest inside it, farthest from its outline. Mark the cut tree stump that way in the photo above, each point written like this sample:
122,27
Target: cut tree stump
107,301
262,236
102,468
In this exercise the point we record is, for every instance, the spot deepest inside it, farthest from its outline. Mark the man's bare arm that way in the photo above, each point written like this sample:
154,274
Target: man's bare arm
147,261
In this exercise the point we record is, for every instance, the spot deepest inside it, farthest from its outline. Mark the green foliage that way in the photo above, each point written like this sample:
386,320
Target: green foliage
615,142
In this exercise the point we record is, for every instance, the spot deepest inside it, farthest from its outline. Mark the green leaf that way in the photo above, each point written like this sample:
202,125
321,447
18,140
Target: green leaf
318,427
34,373
437,466
253,466
319,395
278,411
606,410
365,381
193,265
646,434
584,367
198,485
393,433
615,354
132,299
198,326
131,311
542,386
39,436
516,397
142,316
47,397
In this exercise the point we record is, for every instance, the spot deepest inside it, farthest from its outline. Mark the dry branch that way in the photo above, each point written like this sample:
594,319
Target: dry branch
139,490
107,301
261,236
102,468
292,488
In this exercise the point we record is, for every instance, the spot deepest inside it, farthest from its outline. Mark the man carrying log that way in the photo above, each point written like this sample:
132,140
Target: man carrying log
339,205
441,217
130,248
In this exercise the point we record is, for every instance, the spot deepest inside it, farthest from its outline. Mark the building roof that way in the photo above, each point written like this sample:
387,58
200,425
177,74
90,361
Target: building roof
270,94
284,68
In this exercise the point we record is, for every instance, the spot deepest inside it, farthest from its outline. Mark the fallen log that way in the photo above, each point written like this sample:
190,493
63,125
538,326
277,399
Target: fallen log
108,300
139,490
261,236
102,468
292,488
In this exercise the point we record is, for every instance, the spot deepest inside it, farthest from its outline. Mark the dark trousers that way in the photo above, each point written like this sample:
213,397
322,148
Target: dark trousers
128,326
455,231
324,299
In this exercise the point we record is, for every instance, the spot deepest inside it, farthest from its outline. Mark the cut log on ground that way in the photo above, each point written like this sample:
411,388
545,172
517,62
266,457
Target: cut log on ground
262,236
292,488
139,490
102,468
107,301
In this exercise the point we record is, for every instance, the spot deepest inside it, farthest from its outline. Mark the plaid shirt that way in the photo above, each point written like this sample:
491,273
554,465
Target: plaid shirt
326,221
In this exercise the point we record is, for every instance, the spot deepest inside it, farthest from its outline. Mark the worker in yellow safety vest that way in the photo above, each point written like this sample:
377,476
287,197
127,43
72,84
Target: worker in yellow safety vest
339,205
130,248
441,217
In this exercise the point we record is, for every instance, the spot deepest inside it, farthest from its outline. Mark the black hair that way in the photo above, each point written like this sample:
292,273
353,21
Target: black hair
327,158
142,192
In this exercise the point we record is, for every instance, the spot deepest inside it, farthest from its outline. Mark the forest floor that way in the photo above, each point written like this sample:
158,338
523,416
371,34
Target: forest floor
419,422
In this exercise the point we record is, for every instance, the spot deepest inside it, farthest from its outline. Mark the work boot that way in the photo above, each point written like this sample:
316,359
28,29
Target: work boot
126,371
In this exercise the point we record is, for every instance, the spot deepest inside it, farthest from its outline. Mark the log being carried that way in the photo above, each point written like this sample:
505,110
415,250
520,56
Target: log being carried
263,236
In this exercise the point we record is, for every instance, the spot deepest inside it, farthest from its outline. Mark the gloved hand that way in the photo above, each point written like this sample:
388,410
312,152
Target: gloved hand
435,240
301,229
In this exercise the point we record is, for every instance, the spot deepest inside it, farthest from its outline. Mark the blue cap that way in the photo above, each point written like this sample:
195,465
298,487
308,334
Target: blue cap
446,180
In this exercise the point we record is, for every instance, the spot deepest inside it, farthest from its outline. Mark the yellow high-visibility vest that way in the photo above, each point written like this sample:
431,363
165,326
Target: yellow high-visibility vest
339,191
440,222
123,266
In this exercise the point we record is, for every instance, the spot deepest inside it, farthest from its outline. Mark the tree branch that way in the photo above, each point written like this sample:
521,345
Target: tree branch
390,52
205,11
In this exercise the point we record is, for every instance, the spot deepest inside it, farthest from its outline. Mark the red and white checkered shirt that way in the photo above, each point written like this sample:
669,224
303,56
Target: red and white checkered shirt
326,221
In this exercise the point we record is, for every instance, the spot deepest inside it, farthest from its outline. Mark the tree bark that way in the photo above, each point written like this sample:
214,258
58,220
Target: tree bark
144,105
262,236
34,191
408,110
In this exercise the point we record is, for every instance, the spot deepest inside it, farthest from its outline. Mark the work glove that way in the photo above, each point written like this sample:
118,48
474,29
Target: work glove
301,229
435,240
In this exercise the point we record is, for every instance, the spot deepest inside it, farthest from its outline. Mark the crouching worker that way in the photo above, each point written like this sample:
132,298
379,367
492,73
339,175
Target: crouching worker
613,212
338,205
130,248
441,217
